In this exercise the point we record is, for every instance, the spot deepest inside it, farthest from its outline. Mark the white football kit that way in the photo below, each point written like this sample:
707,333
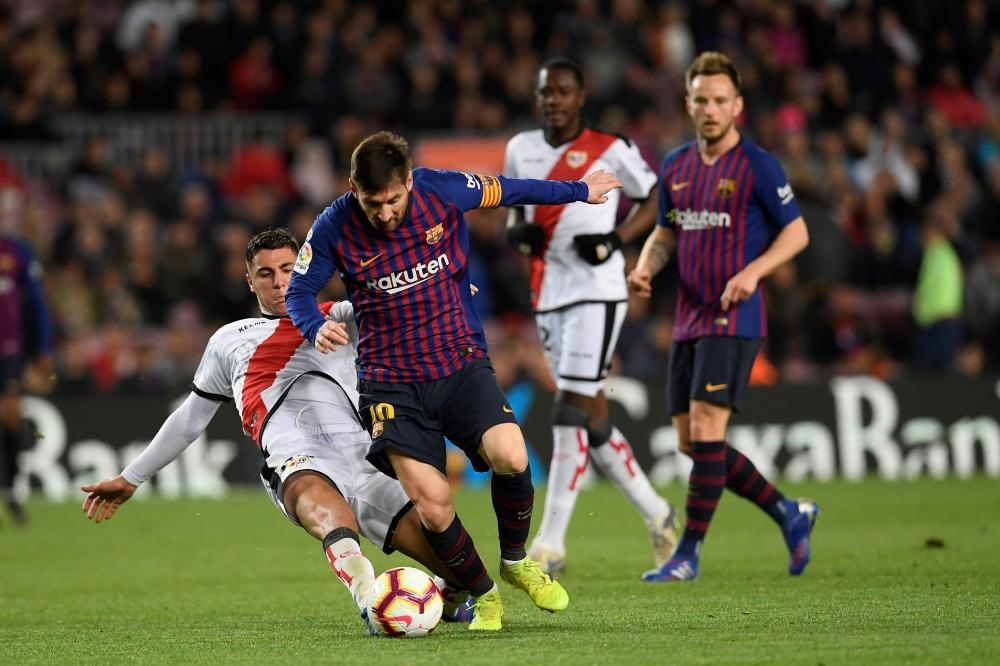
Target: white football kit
579,307
299,406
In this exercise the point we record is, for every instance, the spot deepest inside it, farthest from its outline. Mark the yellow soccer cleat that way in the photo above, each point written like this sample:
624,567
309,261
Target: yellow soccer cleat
489,612
545,593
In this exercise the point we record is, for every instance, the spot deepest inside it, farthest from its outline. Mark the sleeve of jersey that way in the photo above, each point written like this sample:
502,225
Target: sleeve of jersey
665,218
631,168
211,379
180,429
473,190
341,311
774,192
313,269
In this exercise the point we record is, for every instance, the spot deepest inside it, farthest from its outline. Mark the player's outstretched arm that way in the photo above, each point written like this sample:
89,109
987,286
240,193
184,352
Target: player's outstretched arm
599,183
182,427
104,498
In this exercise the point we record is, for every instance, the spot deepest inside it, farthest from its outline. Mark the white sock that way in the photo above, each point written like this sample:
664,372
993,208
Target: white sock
619,465
353,568
569,462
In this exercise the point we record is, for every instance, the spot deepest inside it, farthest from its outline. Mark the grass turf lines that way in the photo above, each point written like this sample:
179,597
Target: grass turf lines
902,573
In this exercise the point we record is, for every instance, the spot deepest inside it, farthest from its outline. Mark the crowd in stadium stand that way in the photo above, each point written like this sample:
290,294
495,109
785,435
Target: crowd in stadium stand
886,116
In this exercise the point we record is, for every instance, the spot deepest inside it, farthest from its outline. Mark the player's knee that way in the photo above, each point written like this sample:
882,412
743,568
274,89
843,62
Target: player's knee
564,414
510,460
436,516
600,434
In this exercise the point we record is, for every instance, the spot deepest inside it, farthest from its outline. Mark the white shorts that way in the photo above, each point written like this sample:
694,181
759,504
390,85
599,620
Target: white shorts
579,342
316,428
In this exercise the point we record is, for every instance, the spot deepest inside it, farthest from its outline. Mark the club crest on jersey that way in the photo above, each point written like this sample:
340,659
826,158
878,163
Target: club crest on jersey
725,187
377,428
304,259
576,158
434,234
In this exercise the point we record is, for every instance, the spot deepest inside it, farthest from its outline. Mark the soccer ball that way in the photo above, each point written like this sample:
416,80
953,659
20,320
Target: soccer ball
405,603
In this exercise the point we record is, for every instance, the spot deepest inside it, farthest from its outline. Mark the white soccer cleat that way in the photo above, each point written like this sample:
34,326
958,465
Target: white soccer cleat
663,530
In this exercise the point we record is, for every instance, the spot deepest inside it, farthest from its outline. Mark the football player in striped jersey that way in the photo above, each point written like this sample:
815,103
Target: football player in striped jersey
300,408
400,243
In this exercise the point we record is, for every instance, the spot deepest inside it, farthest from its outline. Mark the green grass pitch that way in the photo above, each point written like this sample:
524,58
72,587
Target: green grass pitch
902,573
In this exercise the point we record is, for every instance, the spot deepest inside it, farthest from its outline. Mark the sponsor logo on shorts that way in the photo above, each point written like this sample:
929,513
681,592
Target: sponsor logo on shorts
294,463
508,409
712,388
377,428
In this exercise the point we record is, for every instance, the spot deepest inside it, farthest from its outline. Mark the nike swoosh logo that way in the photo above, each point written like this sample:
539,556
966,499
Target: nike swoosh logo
367,262
680,186
508,409
712,388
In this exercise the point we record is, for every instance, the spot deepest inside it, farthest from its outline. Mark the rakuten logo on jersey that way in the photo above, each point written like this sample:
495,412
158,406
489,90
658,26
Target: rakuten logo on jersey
411,277
692,220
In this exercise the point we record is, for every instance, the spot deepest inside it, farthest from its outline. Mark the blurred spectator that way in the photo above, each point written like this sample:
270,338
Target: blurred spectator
136,189
937,300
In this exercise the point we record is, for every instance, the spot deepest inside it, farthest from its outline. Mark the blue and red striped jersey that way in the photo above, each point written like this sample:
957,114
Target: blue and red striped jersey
410,287
25,323
725,216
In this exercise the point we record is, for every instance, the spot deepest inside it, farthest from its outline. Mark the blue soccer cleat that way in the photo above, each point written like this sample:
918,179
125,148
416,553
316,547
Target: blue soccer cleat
459,612
796,531
677,568
372,628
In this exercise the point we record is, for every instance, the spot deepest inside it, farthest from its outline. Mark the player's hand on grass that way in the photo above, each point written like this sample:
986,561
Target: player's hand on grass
739,288
331,334
600,183
104,498
640,282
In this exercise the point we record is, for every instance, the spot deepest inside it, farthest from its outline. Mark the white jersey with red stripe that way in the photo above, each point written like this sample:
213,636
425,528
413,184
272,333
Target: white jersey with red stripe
559,276
254,362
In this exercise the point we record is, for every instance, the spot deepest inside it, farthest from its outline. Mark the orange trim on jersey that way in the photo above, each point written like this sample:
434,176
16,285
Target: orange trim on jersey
573,164
492,191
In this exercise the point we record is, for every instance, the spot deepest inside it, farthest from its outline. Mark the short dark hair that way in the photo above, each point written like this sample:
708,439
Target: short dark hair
379,159
271,239
564,63
712,62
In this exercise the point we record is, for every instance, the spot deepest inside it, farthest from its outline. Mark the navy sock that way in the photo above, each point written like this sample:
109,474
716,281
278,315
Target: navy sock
705,485
513,501
455,548
743,479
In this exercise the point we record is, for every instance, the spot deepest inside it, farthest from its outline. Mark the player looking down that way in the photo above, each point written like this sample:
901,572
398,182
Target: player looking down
400,243
299,406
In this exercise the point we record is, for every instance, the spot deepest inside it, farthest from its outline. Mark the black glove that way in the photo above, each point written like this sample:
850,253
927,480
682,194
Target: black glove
526,238
597,248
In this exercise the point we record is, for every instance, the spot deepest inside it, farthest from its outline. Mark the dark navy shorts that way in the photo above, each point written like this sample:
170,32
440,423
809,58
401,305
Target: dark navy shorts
415,418
715,369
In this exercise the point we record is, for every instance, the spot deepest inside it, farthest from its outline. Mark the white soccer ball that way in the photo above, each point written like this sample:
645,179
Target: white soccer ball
405,603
